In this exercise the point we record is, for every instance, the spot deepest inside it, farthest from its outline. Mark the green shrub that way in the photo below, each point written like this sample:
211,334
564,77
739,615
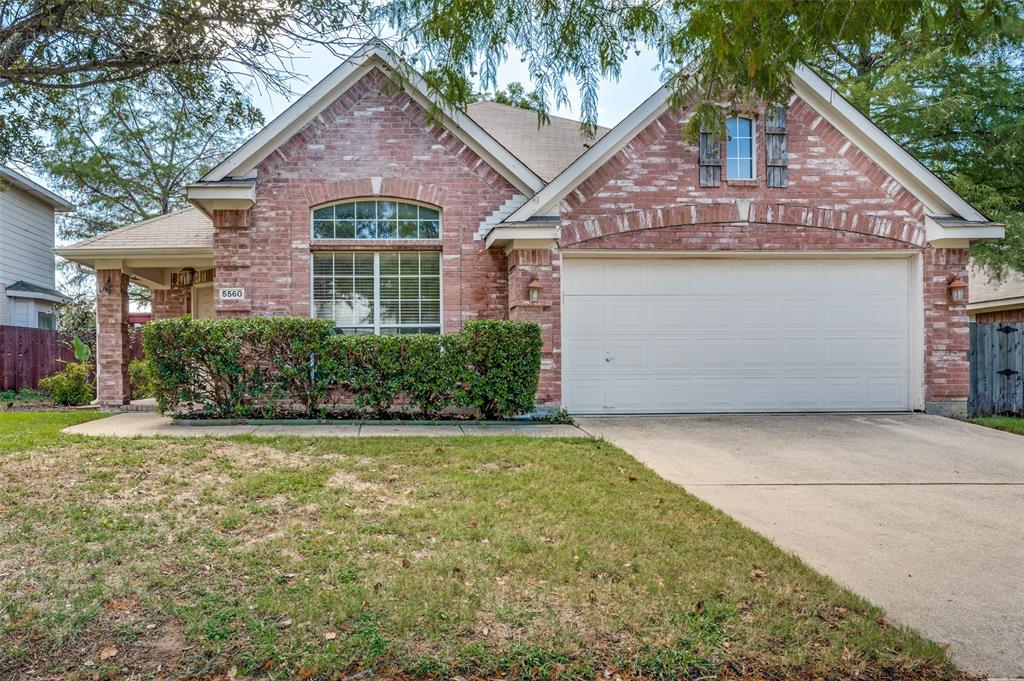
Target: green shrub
140,378
203,363
281,366
505,362
71,386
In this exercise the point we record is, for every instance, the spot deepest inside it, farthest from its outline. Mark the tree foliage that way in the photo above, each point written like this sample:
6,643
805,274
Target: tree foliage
741,50
51,48
958,111
124,153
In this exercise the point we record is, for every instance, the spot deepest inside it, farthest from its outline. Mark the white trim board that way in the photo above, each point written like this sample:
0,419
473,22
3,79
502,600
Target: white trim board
374,55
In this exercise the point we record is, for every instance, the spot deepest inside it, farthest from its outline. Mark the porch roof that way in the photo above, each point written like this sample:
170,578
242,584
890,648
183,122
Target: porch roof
187,231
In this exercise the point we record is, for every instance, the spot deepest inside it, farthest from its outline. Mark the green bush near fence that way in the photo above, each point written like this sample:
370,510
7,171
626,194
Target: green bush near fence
71,386
279,367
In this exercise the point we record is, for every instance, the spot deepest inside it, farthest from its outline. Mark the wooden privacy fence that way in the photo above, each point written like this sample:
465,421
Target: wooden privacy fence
28,355
997,369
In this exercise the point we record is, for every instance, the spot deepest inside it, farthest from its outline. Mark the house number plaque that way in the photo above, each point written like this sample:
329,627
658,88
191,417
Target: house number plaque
232,294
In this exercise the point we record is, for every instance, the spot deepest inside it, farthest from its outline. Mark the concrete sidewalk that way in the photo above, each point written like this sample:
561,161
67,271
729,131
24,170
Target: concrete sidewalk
136,424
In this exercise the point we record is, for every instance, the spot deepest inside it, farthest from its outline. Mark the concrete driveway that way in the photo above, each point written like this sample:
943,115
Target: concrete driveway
924,516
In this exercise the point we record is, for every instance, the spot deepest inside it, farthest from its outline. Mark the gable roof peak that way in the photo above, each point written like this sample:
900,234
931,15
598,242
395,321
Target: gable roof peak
374,54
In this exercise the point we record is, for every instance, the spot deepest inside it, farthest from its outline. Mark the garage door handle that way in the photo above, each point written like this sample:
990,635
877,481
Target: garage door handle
608,356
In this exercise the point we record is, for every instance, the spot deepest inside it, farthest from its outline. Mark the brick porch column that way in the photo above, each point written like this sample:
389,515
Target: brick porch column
543,266
112,386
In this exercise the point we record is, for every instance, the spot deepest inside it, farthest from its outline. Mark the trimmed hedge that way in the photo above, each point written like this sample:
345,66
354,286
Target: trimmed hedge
280,367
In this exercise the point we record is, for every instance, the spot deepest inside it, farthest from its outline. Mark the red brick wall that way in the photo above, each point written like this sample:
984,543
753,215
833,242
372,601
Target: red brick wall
546,267
1000,316
112,386
946,339
171,302
659,168
367,133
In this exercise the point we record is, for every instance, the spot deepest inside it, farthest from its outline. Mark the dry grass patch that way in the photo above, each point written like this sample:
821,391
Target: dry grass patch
412,556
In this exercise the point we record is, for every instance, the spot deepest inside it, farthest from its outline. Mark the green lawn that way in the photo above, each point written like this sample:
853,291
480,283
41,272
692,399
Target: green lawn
1013,424
304,558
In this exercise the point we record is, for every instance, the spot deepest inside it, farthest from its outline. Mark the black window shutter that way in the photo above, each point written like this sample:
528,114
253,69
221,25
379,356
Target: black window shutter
710,160
776,159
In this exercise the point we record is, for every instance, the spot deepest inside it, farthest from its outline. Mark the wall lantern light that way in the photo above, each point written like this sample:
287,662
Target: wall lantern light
106,284
534,288
957,288
186,277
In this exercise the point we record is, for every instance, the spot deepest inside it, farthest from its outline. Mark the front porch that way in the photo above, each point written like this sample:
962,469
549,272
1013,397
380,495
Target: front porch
172,256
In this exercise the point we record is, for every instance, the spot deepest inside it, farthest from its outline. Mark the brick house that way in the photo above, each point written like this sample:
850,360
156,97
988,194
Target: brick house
801,265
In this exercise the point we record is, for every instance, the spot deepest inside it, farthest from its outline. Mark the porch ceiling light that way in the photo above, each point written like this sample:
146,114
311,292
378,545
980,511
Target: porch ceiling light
186,277
534,288
957,289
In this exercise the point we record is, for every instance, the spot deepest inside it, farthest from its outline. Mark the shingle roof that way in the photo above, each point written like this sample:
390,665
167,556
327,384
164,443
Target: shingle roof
188,228
22,286
547,150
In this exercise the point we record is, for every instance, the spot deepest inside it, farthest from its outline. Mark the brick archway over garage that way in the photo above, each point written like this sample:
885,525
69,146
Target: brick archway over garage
579,232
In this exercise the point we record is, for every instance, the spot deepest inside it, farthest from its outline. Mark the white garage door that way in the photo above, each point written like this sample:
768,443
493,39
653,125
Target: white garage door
744,335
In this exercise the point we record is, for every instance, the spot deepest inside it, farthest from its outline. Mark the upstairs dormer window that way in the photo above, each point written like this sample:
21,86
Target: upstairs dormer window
376,219
739,148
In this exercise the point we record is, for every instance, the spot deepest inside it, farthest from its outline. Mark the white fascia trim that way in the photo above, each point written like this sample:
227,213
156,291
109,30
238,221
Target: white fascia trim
940,236
36,190
546,201
243,161
935,194
502,236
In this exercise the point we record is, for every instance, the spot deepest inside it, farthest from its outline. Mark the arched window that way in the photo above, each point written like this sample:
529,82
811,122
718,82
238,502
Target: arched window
376,219
739,149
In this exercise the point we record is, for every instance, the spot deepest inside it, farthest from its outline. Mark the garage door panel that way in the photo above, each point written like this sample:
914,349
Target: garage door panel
627,354
710,276
757,352
843,353
800,353
892,315
800,314
668,275
844,314
669,354
668,335
754,314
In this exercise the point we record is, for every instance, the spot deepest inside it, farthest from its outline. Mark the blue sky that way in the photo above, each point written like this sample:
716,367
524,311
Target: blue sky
640,77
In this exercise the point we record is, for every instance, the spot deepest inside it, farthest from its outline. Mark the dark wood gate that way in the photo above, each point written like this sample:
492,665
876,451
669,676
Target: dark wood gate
997,369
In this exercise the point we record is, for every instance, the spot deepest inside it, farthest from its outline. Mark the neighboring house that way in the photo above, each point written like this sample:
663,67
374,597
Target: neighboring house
996,301
801,266
27,293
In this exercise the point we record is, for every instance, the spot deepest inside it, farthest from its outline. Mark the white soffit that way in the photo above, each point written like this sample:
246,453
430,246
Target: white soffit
243,161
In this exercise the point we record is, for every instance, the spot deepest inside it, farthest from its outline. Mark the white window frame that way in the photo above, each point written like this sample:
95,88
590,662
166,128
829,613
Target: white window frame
376,286
753,149
440,221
